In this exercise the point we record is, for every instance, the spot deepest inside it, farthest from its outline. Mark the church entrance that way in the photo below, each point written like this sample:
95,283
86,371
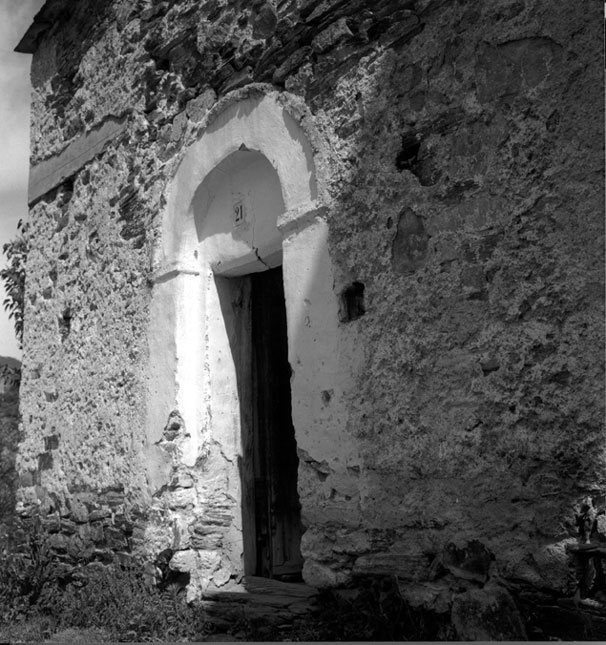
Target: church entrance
274,458
243,247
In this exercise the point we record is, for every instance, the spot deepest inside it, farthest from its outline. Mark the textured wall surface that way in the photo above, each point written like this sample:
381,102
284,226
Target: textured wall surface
465,193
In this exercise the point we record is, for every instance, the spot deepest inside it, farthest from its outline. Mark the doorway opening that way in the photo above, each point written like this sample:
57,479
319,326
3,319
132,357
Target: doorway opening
255,315
275,462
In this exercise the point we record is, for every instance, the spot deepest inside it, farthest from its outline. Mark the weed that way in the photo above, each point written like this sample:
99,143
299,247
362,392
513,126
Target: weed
13,275
118,601
113,602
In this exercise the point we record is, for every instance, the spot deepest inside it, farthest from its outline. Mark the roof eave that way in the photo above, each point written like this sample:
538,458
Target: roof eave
29,43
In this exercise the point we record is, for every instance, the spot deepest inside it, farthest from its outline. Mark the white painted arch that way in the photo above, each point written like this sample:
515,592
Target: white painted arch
257,123
257,149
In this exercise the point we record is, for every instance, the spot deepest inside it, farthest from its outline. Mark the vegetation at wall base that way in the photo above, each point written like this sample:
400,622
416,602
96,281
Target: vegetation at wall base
93,602
43,600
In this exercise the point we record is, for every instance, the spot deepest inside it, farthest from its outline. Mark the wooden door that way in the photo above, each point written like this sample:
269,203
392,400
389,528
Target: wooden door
275,461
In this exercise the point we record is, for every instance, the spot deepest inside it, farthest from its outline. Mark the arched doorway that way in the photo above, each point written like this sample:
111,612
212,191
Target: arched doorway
236,209
242,262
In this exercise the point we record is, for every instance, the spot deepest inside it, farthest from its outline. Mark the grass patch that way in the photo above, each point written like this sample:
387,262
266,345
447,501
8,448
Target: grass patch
93,602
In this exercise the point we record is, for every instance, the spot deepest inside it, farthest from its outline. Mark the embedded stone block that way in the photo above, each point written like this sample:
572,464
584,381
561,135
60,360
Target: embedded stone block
410,244
472,562
488,614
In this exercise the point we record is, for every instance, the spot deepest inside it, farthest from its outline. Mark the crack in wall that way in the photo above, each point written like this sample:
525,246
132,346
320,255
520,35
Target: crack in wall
256,250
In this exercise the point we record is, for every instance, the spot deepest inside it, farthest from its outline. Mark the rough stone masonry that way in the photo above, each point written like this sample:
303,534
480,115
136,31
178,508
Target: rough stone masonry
428,177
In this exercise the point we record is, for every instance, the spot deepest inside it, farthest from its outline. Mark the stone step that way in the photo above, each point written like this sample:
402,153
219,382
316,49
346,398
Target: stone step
269,586
261,599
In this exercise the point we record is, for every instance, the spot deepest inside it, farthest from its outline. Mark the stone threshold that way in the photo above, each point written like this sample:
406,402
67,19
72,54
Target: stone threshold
263,599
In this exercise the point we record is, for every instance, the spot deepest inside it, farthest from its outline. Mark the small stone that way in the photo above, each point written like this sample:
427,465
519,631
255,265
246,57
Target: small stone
76,549
197,108
265,23
490,364
29,499
27,478
181,498
469,563
352,543
291,63
183,561
122,522
473,281
446,251
331,35
318,575
45,461
96,532
182,480
61,570
409,249
222,576
112,498
407,565
115,538
99,514
181,536
238,79
52,523
79,512
487,614
58,542
178,127
301,80
211,541
51,442
103,555
68,526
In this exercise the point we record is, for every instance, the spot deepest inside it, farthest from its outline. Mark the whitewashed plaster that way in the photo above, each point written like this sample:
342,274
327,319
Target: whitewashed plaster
255,123
257,155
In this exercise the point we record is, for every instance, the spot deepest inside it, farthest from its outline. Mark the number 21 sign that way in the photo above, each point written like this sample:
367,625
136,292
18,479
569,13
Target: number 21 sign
239,215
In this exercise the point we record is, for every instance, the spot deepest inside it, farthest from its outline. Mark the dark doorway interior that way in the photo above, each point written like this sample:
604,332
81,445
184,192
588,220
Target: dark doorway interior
255,319
275,462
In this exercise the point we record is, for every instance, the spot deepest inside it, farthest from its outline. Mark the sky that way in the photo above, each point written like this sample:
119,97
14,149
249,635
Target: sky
15,17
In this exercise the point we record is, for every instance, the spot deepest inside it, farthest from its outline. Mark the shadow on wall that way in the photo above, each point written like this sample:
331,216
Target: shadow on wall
296,135
235,303
432,260
433,253
428,228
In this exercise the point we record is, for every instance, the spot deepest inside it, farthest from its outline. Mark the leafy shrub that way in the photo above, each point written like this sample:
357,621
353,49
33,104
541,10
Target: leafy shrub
14,278
92,602
117,600
24,574
11,375
22,578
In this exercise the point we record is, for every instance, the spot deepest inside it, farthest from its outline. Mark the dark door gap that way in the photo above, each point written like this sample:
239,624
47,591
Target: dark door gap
275,461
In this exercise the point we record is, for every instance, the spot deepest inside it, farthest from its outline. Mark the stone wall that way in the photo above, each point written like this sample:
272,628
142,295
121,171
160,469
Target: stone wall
465,218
